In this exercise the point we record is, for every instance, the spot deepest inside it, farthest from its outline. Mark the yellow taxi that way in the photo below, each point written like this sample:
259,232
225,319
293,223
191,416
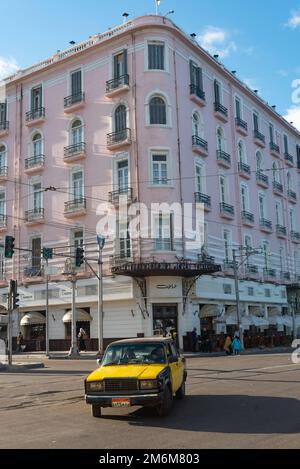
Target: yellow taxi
138,372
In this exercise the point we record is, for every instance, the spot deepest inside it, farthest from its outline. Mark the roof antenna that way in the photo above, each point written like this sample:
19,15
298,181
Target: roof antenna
72,43
125,16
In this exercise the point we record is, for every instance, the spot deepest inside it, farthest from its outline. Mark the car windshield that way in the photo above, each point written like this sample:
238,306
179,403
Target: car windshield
123,354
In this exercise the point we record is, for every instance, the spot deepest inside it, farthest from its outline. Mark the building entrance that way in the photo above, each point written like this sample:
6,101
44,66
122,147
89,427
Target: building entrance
165,319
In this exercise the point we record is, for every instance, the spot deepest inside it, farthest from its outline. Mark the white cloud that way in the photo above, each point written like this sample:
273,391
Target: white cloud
293,115
8,66
217,41
294,21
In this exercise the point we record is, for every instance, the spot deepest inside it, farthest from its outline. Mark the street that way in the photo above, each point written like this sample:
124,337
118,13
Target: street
232,402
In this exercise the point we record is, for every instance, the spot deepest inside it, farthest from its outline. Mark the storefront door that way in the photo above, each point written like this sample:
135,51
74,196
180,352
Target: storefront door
165,318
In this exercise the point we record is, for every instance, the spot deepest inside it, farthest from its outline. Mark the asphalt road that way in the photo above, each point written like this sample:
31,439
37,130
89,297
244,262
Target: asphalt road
232,402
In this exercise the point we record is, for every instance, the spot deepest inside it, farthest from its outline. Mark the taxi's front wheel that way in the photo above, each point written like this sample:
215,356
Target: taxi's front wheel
180,394
96,410
165,407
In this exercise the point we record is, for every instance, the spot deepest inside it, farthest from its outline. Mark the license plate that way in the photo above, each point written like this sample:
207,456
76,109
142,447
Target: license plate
120,402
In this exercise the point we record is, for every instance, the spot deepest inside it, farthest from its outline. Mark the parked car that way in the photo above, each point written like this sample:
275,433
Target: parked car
138,372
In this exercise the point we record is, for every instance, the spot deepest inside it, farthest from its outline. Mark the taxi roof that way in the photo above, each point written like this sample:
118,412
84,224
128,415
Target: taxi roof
155,339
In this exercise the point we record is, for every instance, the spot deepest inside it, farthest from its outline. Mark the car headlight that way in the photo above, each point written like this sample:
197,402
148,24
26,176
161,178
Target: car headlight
148,384
95,386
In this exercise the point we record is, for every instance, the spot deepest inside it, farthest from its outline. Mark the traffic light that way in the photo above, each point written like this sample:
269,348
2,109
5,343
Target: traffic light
47,253
79,257
9,246
15,294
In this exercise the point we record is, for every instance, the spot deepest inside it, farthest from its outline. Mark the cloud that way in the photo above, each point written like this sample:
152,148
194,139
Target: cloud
294,20
217,41
8,66
293,115
282,73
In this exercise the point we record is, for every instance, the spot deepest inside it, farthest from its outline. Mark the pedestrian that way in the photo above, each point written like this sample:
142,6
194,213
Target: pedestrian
228,345
236,345
20,340
194,337
81,337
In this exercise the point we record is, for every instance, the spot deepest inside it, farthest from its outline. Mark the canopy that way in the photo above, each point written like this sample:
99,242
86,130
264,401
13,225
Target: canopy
209,311
81,315
33,318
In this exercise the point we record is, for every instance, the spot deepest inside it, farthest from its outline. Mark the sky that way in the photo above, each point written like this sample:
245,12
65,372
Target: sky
259,39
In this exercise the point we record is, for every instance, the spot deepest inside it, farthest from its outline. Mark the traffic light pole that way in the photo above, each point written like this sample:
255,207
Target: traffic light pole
47,311
9,328
100,303
74,352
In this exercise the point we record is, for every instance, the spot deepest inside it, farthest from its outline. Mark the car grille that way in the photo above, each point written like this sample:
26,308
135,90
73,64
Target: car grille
120,385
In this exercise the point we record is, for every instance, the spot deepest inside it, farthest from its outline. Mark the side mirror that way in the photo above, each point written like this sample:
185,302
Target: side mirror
173,359
99,360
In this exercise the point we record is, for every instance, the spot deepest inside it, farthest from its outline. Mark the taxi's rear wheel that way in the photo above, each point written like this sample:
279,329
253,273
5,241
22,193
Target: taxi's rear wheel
180,394
96,410
165,407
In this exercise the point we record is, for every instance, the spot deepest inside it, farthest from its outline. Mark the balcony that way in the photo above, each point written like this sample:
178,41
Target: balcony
274,149
289,159
229,265
203,199
3,173
241,126
286,276
277,188
74,152
221,112
74,102
292,196
197,94
33,272
281,231
34,216
117,85
223,158
244,170
251,270
265,225
295,236
259,138
269,274
34,164
118,139
122,195
247,218
226,210
3,222
199,145
119,260
261,179
35,116
76,207
4,127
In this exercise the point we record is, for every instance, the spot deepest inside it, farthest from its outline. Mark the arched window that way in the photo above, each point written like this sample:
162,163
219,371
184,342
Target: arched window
276,177
2,157
289,181
242,157
76,132
37,145
220,139
157,111
197,125
259,161
120,118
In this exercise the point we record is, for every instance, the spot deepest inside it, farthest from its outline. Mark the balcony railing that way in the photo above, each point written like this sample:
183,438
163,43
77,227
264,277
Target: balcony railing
125,193
118,137
196,90
4,125
203,199
75,205
266,224
34,214
241,123
280,230
199,142
220,108
229,265
292,194
274,147
74,99
3,171
34,114
295,235
289,158
247,216
75,149
259,136
116,83
285,275
261,177
3,220
226,209
277,187
34,161
270,273
223,156
34,271
251,269
244,168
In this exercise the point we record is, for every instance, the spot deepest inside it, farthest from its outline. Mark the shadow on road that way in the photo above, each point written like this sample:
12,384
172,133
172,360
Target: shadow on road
223,414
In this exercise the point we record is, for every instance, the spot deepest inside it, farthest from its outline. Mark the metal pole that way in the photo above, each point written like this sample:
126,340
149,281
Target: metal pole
47,311
237,296
74,348
294,318
9,326
100,303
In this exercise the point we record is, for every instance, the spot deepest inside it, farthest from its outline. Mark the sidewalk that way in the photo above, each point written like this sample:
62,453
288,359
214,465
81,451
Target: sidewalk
21,366
254,351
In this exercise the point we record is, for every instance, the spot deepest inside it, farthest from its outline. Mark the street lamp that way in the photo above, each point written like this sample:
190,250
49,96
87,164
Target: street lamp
101,244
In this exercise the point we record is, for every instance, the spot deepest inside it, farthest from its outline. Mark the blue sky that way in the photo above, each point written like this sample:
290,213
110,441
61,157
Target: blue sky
258,39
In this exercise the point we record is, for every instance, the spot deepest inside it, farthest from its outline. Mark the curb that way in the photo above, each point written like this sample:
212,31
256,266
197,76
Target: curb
244,353
22,366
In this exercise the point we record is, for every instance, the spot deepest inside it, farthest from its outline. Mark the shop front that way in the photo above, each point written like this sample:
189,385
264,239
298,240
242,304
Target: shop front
33,328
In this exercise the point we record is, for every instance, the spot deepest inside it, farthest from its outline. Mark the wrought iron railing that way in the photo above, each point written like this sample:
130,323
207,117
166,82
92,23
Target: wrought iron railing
241,123
4,125
75,205
277,186
274,147
74,99
259,136
220,108
38,113
247,216
35,214
119,137
38,160
117,82
244,168
223,156
281,230
199,142
123,192
226,208
194,89
3,171
74,149
265,224
203,199
261,177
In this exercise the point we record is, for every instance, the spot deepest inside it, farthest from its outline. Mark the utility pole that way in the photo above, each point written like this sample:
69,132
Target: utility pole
47,311
71,274
101,243
237,297
9,326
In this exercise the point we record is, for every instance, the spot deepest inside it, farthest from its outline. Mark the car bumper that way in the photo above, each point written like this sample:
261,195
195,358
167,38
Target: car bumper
150,400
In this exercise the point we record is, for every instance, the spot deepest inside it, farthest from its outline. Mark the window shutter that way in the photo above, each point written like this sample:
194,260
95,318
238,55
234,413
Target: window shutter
200,78
125,61
76,82
116,66
217,92
191,73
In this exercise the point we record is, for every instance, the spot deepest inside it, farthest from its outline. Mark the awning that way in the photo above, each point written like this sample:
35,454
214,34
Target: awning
256,310
3,319
33,318
274,310
259,321
81,315
208,311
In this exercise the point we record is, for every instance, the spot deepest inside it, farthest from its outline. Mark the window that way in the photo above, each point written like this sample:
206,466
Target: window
271,130
196,76
261,203
227,288
199,178
124,240
266,253
223,189
157,110
76,83
282,259
37,144
238,108
2,263
159,163
296,262
163,231
3,113
289,181
242,156
37,196
220,139
259,161
120,64
286,144
197,125
2,158
276,176
2,206
267,293
156,56
122,174
77,185
255,121
120,118
292,219
250,291
77,132
218,93
36,98
279,213
35,247
227,245
244,198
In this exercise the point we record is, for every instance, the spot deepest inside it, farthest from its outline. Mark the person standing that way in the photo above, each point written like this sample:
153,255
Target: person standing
194,336
81,337
228,345
20,340
236,345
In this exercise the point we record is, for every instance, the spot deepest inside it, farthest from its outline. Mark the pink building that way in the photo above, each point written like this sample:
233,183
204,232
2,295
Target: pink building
143,111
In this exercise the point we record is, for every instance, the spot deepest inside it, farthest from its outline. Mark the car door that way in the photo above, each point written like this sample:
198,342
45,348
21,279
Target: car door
180,364
175,369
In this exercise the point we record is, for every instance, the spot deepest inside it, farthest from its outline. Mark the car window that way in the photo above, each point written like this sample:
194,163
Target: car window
174,350
122,354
